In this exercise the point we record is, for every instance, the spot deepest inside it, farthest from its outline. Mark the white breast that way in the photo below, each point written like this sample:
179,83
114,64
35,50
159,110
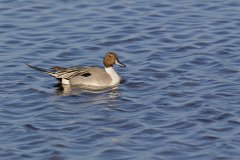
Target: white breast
115,77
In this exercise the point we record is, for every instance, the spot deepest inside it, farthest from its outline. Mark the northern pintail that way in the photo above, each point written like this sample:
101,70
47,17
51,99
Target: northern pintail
88,76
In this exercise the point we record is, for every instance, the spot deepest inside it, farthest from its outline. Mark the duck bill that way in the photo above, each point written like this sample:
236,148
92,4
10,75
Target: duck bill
119,63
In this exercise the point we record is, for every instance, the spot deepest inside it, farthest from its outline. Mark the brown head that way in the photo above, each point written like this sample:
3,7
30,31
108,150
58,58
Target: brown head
110,59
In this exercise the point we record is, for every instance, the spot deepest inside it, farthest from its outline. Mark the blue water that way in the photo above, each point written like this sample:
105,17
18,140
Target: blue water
179,98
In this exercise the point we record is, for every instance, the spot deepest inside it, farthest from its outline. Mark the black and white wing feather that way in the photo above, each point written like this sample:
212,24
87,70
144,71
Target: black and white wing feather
64,73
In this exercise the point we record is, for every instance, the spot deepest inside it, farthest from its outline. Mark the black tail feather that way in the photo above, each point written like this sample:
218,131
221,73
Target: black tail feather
38,68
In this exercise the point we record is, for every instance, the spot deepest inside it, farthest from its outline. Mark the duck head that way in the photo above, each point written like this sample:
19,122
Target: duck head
110,59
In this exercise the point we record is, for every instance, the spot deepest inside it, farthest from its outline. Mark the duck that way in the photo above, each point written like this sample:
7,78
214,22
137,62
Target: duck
87,76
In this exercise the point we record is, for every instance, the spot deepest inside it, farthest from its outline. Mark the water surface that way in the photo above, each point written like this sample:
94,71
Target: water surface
179,98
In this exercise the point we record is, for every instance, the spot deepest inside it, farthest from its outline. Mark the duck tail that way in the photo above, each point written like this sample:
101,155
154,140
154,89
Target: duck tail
44,70
38,68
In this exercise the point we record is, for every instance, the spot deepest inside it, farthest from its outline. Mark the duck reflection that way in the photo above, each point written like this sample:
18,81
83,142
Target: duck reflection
65,90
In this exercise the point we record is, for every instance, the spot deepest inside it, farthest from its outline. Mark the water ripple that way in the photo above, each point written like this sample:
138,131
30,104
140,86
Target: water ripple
179,95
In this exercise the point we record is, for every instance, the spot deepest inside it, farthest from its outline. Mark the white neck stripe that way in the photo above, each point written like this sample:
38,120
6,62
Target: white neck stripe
115,77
